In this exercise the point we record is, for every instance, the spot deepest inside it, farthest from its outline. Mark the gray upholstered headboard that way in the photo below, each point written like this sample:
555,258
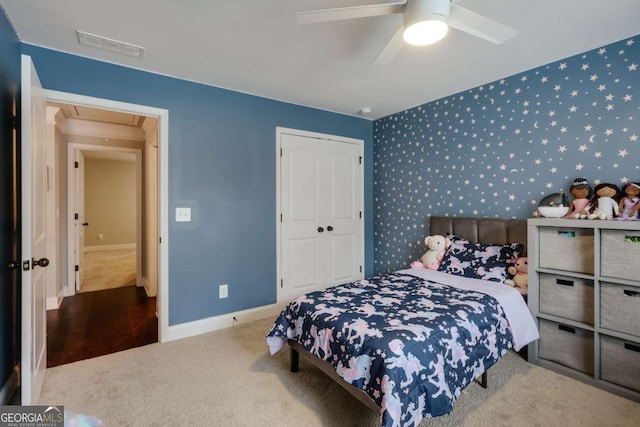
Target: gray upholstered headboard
482,230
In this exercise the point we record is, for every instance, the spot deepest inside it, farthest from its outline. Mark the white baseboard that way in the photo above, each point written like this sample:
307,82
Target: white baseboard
210,324
53,303
119,247
9,388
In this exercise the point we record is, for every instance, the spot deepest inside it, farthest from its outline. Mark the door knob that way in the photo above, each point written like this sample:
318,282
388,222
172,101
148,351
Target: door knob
42,262
13,265
320,229
84,224
329,228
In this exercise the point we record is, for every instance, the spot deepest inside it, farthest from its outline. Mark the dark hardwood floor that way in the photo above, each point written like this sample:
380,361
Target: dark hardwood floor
96,323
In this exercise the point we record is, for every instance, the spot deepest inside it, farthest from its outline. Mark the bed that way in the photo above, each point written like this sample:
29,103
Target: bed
407,343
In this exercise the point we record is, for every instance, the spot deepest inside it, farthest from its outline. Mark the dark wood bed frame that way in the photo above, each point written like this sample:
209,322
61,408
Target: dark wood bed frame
482,230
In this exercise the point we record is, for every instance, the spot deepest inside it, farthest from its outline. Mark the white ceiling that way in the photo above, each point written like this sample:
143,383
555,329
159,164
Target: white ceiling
256,46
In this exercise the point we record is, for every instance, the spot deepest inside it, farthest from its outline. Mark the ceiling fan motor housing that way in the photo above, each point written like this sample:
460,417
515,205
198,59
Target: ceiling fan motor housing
424,12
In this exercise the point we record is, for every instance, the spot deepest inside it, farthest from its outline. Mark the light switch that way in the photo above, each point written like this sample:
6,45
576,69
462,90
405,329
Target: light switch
183,214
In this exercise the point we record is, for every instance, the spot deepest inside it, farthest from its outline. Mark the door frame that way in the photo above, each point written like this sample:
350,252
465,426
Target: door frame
162,115
72,206
321,136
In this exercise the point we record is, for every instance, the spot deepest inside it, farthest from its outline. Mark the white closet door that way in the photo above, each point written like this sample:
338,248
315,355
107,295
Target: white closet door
343,209
321,198
302,251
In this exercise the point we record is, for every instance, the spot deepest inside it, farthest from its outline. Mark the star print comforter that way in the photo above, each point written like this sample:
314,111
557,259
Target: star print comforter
411,343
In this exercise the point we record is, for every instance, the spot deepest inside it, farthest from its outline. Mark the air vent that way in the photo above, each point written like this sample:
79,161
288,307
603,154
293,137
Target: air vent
110,45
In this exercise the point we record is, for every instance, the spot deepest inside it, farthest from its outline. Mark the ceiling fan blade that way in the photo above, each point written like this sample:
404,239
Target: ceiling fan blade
478,25
392,48
338,14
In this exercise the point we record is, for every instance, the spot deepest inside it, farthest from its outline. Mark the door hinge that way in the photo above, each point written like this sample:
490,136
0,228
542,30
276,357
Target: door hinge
360,160
76,216
361,214
76,165
360,269
280,217
76,268
26,265
160,239
281,283
281,152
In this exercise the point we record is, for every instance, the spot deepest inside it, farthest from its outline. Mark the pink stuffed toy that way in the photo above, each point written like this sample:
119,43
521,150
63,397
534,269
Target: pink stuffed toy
437,245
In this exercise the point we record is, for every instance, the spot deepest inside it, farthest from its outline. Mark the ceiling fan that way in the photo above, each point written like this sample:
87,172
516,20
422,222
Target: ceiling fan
425,22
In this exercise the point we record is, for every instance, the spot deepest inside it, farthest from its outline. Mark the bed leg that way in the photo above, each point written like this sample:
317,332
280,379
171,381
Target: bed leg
295,358
483,380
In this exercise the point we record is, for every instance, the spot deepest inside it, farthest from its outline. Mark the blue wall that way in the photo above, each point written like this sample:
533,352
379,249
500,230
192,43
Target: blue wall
9,280
495,150
222,164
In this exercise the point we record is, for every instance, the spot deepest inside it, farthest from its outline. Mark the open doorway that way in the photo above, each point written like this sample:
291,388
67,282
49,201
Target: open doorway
109,221
104,214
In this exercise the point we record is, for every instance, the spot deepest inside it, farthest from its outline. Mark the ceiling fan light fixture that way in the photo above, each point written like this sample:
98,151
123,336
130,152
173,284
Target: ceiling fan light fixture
425,32
425,21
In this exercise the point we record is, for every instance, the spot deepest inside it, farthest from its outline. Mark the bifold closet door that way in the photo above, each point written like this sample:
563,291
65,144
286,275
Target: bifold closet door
321,199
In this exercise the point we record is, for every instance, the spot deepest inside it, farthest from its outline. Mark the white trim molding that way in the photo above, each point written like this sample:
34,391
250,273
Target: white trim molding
53,303
120,247
113,131
210,324
163,184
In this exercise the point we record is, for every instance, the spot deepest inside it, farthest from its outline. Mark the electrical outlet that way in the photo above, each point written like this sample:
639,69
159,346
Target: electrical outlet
223,291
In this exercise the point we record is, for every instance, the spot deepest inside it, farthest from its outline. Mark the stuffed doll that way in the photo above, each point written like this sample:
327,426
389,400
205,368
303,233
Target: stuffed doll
604,204
634,211
520,278
630,200
437,245
581,192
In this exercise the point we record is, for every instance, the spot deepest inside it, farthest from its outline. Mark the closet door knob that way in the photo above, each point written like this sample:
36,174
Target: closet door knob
320,229
329,228
42,262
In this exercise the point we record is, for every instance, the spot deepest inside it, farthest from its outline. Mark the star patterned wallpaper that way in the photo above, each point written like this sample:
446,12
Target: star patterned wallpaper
497,149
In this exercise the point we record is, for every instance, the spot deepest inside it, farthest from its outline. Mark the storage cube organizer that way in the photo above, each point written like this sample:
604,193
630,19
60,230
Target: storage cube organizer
567,345
567,297
568,249
620,256
620,362
620,308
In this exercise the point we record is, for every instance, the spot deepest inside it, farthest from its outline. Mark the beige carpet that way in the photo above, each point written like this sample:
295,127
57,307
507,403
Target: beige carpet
108,269
227,378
